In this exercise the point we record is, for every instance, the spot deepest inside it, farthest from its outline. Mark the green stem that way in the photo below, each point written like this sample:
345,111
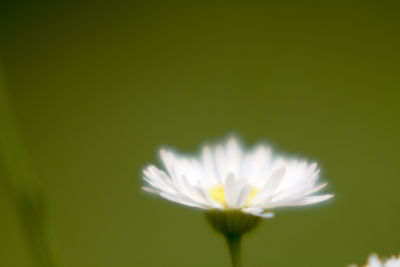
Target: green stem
232,224
22,185
234,242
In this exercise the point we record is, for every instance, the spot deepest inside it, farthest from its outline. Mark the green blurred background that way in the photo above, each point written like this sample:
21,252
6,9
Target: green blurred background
98,87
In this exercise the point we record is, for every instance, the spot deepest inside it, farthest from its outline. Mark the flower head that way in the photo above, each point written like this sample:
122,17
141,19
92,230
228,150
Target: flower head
226,177
374,261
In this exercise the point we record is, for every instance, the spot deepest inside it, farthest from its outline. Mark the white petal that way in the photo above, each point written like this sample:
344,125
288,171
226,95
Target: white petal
230,187
221,163
313,166
260,212
167,158
206,196
374,261
269,188
150,190
317,188
243,195
234,154
256,164
299,202
181,200
267,215
209,167
316,199
160,187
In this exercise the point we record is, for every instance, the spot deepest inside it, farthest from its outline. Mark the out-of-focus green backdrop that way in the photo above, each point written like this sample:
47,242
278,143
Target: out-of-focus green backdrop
98,87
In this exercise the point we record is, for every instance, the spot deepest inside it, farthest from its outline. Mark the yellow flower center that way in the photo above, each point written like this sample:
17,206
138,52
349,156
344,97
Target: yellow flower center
217,193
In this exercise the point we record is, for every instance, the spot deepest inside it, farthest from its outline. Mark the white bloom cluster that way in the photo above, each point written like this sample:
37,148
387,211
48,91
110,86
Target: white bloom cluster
226,177
374,261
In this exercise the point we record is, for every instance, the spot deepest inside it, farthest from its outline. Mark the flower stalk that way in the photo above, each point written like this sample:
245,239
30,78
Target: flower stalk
232,224
234,246
22,185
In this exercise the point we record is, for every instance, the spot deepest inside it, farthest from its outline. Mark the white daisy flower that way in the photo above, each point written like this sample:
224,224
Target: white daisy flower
226,177
374,261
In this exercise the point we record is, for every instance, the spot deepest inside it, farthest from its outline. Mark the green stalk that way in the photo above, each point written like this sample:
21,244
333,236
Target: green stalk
21,182
234,246
232,224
